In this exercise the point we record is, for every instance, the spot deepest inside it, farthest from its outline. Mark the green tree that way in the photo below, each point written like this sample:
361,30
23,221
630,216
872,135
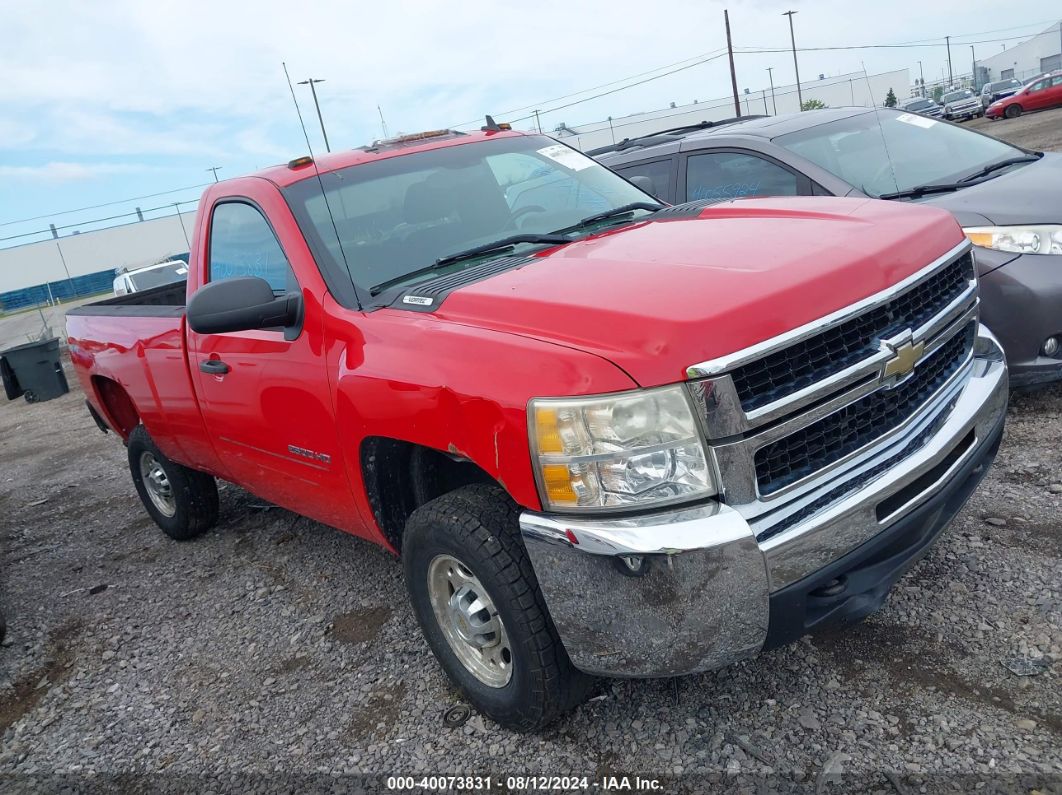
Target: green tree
890,99
938,92
813,104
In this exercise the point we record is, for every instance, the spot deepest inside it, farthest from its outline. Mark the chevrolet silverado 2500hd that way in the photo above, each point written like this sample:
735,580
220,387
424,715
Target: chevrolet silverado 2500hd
605,436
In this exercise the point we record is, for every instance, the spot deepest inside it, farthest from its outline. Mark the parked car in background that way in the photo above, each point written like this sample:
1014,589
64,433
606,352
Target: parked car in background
1040,94
992,92
961,104
923,105
1008,199
156,275
606,436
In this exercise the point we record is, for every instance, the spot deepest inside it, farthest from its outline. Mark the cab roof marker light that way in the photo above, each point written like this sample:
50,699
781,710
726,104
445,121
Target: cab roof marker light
300,162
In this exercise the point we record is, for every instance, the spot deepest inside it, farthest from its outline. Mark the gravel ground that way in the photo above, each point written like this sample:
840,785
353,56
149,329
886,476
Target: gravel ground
274,648
1041,130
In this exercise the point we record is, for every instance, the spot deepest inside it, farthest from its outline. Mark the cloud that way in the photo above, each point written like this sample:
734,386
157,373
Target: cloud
58,171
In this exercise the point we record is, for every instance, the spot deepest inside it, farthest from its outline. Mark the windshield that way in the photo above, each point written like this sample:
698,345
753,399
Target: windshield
156,277
956,95
919,104
401,214
922,150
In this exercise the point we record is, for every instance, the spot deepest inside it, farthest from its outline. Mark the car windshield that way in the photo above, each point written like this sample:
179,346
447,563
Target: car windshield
1002,85
919,104
156,277
397,215
956,95
887,152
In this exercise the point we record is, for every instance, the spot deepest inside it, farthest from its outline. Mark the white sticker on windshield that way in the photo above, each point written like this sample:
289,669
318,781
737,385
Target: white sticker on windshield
916,120
567,157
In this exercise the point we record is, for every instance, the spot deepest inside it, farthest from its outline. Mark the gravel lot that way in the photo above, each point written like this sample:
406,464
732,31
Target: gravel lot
1041,130
275,649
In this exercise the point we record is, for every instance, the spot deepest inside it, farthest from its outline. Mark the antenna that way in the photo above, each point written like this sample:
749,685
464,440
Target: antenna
383,124
317,173
881,132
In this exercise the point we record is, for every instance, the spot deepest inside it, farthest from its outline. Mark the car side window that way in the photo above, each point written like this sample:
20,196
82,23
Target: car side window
243,244
658,172
1056,81
732,175
1039,85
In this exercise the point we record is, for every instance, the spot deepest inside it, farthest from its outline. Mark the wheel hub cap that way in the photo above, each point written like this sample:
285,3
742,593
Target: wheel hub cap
157,484
469,621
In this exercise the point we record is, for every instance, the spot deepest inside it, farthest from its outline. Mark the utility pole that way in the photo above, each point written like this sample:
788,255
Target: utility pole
733,74
764,95
311,82
770,76
538,122
214,170
923,76
796,67
951,77
973,72
612,129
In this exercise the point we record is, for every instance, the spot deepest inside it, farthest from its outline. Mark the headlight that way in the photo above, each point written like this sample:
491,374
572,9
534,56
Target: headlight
1044,239
618,451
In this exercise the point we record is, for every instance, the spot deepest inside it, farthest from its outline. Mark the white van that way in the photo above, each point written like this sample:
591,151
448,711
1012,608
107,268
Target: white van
161,273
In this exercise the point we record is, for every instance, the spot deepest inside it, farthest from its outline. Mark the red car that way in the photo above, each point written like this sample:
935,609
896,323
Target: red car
1042,93
605,436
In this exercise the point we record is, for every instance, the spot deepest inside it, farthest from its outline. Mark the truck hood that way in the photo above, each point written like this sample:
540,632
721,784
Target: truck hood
658,296
1028,194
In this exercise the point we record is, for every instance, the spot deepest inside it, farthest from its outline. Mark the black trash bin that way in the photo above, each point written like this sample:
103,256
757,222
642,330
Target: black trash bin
34,371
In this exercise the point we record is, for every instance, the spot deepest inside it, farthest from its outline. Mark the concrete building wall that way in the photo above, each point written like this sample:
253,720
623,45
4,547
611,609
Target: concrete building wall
130,245
844,90
1027,59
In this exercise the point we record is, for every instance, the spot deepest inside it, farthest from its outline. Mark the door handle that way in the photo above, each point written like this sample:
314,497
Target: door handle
214,367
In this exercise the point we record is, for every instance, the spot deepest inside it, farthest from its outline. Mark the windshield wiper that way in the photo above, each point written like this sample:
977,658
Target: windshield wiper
1010,161
469,253
922,190
623,209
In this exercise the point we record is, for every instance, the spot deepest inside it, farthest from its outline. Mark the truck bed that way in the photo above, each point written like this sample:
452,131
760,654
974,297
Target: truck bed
167,300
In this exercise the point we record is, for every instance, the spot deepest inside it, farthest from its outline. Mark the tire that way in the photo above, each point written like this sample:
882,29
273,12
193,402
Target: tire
192,507
1012,111
477,527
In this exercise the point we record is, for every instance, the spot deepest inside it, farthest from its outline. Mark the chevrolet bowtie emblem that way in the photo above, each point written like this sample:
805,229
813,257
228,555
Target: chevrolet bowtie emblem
906,356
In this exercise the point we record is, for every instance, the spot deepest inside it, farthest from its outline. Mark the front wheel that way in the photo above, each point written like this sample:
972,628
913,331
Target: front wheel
477,600
1013,111
182,501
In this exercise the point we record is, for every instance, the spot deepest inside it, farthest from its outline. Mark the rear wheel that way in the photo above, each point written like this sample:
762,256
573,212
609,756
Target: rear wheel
182,501
1013,111
477,600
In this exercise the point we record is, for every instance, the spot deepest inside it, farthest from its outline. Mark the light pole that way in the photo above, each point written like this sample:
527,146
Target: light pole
770,76
311,82
923,76
951,76
973,71
796,67
214,171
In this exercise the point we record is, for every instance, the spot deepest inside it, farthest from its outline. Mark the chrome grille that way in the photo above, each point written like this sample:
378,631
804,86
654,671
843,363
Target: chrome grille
802,364
857,424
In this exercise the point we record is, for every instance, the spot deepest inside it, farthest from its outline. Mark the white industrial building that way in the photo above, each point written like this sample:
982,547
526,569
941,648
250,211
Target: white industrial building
128,246
1041,53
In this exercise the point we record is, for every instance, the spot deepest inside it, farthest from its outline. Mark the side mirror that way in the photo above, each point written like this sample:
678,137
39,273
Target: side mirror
643,182
242,304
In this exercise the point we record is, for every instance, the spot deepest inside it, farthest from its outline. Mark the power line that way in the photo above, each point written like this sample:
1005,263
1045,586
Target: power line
101,220
105,204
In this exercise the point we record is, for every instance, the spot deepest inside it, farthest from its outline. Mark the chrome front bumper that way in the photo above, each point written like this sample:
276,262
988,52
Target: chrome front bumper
690,589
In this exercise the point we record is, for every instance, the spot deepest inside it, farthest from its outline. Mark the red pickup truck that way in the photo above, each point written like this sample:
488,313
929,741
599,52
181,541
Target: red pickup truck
605,436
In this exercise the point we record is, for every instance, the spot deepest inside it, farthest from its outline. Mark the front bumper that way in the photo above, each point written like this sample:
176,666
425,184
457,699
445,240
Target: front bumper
693,589
965,112
1021,302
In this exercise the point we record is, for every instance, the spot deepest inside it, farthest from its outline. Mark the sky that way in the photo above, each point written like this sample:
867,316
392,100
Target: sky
106,101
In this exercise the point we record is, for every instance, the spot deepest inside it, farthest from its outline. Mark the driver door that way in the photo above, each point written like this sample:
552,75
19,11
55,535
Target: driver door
266,400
